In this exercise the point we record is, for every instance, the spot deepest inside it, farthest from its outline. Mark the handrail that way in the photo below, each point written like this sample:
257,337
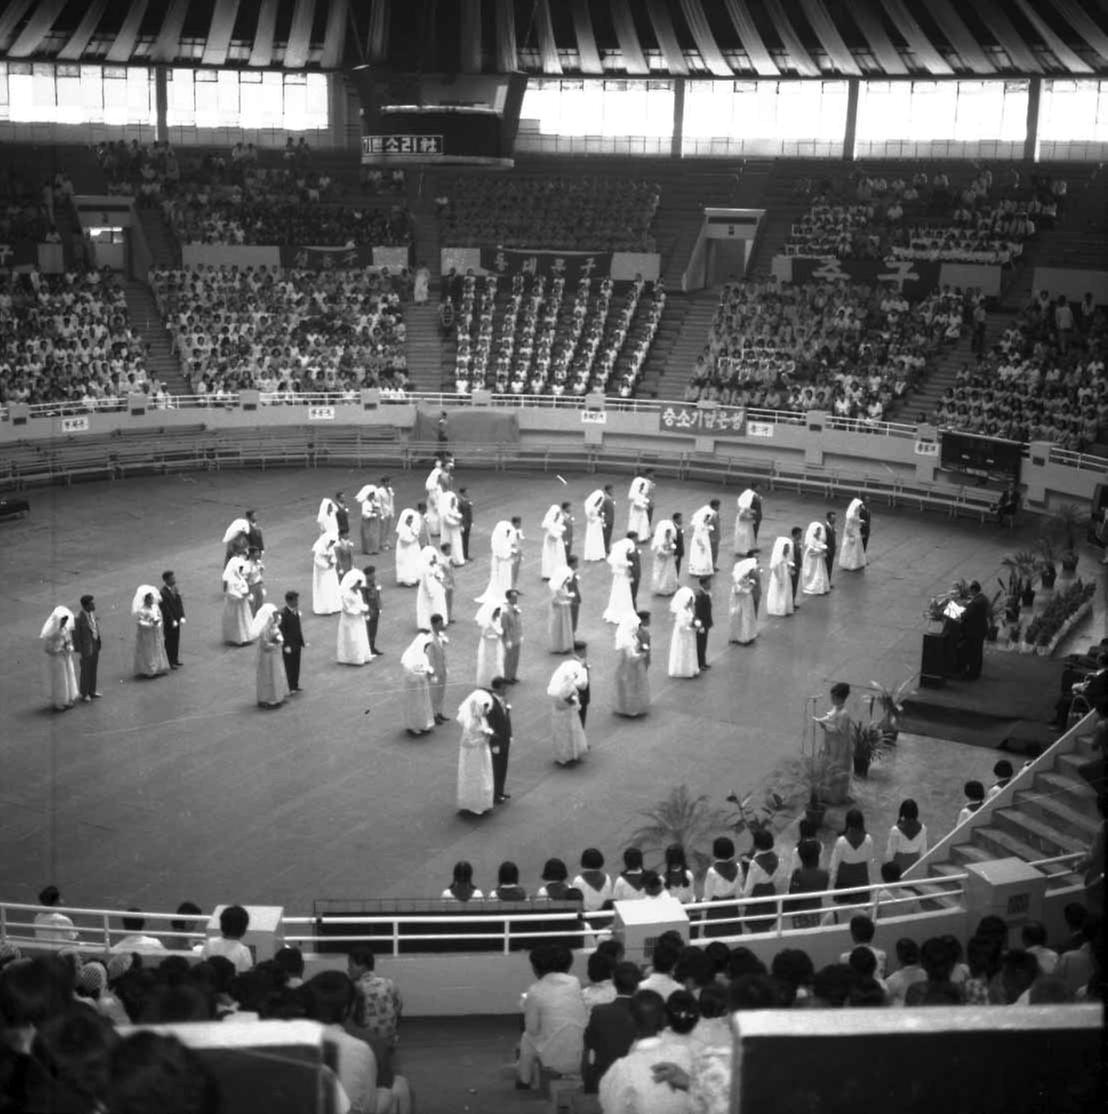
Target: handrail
442,399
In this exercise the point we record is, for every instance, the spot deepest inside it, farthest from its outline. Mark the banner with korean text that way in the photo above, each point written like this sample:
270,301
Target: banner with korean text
570,265
914,278
697,419
328,258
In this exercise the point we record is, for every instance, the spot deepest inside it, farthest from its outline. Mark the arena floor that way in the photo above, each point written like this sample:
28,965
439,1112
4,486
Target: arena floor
181,788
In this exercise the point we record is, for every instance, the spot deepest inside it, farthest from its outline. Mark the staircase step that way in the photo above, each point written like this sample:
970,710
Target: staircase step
1070,765
1043,839
965,853
1053,811
1075,792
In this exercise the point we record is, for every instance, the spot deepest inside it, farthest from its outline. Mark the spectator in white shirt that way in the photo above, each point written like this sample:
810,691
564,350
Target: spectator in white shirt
1034,940
54,927
861,934
975,798
233,923
554,1017
601,989
136,941
908,973
667,952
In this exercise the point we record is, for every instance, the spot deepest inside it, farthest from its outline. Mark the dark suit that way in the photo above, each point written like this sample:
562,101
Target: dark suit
831,539
372,596
756,510
573,587
254,538
635,560
342,518
173,611
465,509
798,557
608,1037
584,696
678,547
86,641
975,626
608,513
702,610
288,623
713,538
863,520
567,537
500,742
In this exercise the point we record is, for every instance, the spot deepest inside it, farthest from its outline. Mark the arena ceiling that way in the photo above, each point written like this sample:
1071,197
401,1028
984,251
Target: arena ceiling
715,38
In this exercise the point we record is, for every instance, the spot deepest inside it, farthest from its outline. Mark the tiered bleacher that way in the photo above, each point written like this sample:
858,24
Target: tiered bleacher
68,338
534,340
214,199
284,332
970,219
1043,380
848,348
571,213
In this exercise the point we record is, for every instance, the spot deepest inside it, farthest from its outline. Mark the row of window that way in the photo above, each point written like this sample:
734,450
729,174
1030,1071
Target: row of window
42,92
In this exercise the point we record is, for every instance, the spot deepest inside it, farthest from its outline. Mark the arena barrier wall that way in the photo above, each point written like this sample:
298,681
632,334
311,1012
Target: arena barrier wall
269,255
814,453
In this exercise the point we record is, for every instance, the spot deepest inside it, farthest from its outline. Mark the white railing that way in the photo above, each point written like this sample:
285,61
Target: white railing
1070,459
93,928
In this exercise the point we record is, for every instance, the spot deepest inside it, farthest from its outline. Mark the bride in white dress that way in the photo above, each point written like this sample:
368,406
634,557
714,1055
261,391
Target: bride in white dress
852,555
682,642
594,528
475,778
779,594
620,606
814,580
490,643
431,595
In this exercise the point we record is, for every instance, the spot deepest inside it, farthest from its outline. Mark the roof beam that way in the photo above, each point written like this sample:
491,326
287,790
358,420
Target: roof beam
1008,37
634,61
958,35
119,53
1083,25
300,35
869,22
224,14
261,50
752,42
9,21
667,37
1072,61
36,28
507,58
587,50
168,43
710,52
816,13
802,60
548,47
334,36
922,47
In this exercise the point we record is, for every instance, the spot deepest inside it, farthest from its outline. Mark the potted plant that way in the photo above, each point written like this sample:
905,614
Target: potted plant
1021,568
993,628
890,703
682,818
1048,563
756,814
1071,520
804,782
869,746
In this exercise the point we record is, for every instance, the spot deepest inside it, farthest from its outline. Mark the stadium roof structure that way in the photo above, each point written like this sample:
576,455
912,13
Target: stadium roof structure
575,38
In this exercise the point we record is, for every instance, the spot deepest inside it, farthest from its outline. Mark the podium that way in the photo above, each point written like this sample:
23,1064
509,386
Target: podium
939,658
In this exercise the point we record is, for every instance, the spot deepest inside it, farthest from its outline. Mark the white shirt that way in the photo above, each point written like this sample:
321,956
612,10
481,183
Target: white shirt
660,983
628,1085
139,943
54,927
234,950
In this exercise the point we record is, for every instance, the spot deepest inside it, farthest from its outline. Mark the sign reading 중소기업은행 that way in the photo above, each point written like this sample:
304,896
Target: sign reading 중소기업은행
693,419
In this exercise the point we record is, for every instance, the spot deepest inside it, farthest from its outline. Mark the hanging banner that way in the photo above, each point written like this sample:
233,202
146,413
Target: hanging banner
722,419
326,259
570,265
914,278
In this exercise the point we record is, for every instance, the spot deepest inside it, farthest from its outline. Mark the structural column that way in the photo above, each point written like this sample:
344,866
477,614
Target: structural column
678,116
161,103
1034,102
850,129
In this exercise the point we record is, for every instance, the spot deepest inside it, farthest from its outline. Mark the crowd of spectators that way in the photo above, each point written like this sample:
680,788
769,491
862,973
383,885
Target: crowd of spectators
648,1032
535,340
284,332
27,210
847,348
927,217
67,337
1042,380
568,213
211,198
60,1049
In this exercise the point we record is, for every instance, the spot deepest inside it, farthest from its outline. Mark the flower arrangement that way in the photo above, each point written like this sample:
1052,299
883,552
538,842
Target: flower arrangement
1045,626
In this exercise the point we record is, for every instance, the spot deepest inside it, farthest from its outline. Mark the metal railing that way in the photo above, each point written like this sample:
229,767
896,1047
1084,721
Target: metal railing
92,929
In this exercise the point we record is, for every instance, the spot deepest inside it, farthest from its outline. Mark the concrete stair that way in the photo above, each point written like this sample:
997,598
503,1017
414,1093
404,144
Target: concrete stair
424,346
161,362
677,362
165,251
919,404
1056,816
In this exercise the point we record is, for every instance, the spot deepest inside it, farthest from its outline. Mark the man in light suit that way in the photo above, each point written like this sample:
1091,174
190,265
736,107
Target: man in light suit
86,641
173,615
500,741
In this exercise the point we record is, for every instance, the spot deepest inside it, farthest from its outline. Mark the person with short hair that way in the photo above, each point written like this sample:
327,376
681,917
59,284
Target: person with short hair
600,968
862,931
554,884
51,926
610,1031
173,616
461,886
234,920
628,884
907,837
86,642
853,859
722,883
1033,935
136,941
662,962
1003,772
937,959
975,798
290,960
807,878
378,1006
592,880
292,639
554,1017
908,973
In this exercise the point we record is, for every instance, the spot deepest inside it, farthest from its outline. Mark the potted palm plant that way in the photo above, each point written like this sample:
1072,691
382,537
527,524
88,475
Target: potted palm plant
1021,567
682,818
890,703
1070,519
802,781
869,746
1048,563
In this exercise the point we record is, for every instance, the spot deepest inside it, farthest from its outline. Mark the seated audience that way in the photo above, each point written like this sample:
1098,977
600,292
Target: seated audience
233,923
554,1018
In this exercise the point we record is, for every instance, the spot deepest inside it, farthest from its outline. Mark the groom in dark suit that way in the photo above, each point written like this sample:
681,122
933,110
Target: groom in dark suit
288,622
584,695
702,612
608,515
173,615
678,541
634,559
86,641
500,742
